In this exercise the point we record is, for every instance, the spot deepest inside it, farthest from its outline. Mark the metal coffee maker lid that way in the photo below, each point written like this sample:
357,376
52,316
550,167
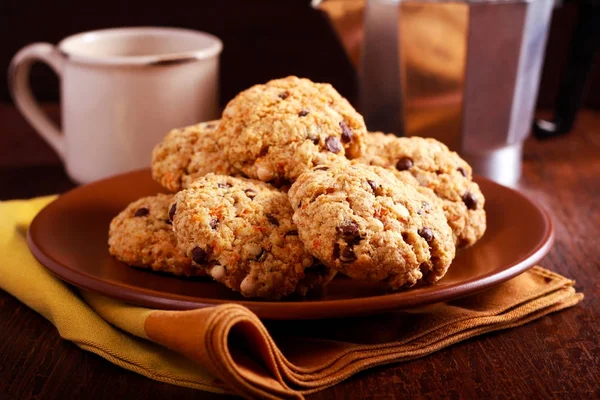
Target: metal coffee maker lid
463,72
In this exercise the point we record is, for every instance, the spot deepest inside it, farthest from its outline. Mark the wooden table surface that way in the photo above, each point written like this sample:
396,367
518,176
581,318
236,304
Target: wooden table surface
557,356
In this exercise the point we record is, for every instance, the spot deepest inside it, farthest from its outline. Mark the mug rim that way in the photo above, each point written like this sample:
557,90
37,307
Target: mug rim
213,47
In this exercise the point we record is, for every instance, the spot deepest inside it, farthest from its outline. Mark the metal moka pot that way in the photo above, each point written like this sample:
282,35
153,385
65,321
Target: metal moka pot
463,72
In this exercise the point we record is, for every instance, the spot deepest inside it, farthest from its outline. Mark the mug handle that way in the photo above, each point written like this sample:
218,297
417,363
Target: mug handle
18,82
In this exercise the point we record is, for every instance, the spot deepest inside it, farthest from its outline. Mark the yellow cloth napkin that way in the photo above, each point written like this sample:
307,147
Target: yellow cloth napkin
227,349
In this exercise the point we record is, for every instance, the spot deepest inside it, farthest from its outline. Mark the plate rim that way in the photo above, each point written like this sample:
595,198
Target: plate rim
294,310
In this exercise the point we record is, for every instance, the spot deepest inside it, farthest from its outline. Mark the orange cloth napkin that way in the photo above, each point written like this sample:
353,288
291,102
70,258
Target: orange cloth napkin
288,359
227,349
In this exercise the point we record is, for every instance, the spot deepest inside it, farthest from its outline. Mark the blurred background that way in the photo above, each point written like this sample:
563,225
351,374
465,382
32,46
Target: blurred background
262,39
463,80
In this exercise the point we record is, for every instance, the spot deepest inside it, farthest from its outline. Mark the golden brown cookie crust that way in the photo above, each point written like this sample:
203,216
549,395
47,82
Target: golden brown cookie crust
365,223
188,153
244,230
280,129
431,164
142,236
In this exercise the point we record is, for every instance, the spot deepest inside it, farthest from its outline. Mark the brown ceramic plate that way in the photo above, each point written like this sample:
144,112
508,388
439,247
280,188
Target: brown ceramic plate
70,236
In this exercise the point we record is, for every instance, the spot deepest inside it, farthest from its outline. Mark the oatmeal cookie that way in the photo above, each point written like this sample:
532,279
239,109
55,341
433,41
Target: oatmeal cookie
142,236
243,229
431,164
367,224
188,153
275,131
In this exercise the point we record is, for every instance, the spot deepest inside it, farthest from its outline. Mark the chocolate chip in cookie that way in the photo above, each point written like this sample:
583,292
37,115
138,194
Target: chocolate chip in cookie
404,164
262,256
372,184
348,255
336,251
346,132
333,144
141,212
271,218
470,200
426,233
251,193
199,256
348,230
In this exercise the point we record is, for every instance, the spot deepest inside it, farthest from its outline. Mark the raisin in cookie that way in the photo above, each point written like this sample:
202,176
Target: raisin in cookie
244,229
142,236
188,153
367,224
275,131
431,164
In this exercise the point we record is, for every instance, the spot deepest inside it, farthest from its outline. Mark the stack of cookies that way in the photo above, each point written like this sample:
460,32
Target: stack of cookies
289,188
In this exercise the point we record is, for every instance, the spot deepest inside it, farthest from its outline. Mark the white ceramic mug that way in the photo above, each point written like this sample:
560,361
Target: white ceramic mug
122,90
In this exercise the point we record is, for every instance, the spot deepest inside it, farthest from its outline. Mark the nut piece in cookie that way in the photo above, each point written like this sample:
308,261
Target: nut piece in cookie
365,223
243,229
275,131
431,164
142,236
188,153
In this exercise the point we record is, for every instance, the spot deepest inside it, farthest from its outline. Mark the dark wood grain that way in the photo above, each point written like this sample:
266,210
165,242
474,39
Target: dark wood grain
557,356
